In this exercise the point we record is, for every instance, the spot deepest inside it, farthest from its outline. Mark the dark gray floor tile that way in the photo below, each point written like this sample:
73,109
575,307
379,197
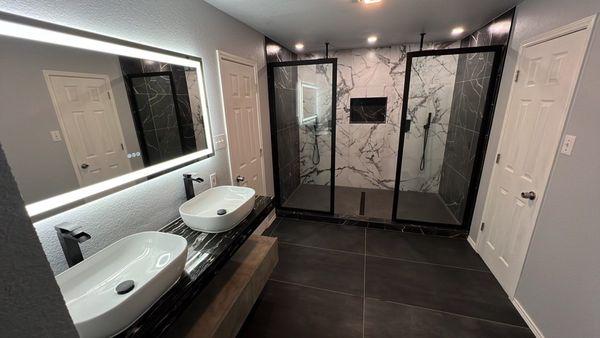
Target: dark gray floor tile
268,231
385,319
310,197
428,249
466,292
285,310
332,270
378,203
347,201
424,207
321,235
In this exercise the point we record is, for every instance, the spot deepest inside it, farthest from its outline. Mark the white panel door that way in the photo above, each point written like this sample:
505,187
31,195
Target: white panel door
90,125
240,99
531,135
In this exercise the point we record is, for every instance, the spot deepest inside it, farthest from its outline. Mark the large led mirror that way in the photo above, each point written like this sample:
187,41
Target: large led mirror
84,115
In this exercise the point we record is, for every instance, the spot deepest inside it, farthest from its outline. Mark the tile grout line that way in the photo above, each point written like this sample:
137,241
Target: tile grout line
429,263
312,287
396,303
364,307
450,313
383,257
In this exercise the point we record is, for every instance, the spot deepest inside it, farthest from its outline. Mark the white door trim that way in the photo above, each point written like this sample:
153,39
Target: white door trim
224,56
70,148
585,24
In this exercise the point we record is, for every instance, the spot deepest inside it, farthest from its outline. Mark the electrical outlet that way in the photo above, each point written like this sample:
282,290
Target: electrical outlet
213,180
55,134
567,145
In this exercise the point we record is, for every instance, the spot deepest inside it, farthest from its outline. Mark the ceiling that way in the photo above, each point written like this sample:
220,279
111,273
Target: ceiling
347,23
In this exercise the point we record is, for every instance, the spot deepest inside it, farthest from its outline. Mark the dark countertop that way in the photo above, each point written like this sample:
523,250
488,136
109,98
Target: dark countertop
207,253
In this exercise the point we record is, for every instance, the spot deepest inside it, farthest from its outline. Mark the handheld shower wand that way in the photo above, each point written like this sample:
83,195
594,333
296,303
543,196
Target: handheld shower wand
425,137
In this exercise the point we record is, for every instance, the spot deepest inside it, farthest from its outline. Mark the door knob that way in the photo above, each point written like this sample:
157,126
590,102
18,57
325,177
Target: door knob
85,166
528,195
240,179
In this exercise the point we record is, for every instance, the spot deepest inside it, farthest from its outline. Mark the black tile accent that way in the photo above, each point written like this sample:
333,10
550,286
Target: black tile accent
286,310
425,249
368,110
321,235
325,269
460,291
169,143
386,319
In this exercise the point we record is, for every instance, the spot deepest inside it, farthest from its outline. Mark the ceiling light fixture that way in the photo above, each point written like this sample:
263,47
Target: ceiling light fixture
368,2
458,31
372,39
299,46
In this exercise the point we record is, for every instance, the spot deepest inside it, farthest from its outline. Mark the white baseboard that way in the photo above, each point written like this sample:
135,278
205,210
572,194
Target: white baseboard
534,328
266,223
472,242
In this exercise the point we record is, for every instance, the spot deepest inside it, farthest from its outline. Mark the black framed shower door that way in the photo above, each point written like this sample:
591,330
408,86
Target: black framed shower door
288,119
493,56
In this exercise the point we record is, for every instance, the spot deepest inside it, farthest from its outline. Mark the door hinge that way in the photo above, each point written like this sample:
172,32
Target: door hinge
482,226
517,76
260,151
498,158
122,146
108,93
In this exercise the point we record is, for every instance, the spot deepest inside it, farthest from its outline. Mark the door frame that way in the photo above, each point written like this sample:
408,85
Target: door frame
585,24
273,118
225,56
70,148
486,126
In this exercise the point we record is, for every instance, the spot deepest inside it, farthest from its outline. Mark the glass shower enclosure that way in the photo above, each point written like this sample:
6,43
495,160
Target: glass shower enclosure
302,100
446,118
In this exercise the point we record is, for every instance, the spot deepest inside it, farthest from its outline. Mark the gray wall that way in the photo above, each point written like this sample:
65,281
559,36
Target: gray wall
28,116
187,26
30,302
561,276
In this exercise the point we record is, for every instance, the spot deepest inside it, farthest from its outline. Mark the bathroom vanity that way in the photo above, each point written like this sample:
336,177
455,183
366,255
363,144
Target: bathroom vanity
208,253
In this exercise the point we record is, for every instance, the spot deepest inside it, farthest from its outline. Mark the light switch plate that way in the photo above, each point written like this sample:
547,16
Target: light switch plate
568,144
55,134
213,180
219,142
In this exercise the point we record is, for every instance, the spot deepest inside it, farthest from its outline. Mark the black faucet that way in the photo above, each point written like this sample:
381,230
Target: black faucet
70,236
188,183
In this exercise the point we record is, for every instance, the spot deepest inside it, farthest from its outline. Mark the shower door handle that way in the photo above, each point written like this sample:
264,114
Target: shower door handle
240,179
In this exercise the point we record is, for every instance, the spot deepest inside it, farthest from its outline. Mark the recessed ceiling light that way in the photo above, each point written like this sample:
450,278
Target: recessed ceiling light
372,39
299,46
367,2
458,31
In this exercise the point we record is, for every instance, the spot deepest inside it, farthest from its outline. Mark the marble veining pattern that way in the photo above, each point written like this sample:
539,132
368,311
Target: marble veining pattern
366,154
207,253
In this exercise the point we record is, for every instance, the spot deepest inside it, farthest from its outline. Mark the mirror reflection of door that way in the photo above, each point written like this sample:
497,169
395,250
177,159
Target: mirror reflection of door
90,125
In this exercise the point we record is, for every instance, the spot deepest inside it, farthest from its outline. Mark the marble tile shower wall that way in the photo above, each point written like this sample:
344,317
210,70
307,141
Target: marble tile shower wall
468,102
315,135
366,154
287,130
167,122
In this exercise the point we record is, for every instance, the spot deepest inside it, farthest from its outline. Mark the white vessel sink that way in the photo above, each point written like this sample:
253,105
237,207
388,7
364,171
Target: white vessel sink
218,209
152,260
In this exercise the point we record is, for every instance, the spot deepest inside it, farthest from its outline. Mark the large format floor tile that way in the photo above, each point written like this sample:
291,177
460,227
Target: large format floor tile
460,291
285,310
385,319
332,270
321,235
426,249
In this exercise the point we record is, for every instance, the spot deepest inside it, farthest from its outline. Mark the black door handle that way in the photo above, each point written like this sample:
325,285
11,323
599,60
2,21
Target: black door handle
85,166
